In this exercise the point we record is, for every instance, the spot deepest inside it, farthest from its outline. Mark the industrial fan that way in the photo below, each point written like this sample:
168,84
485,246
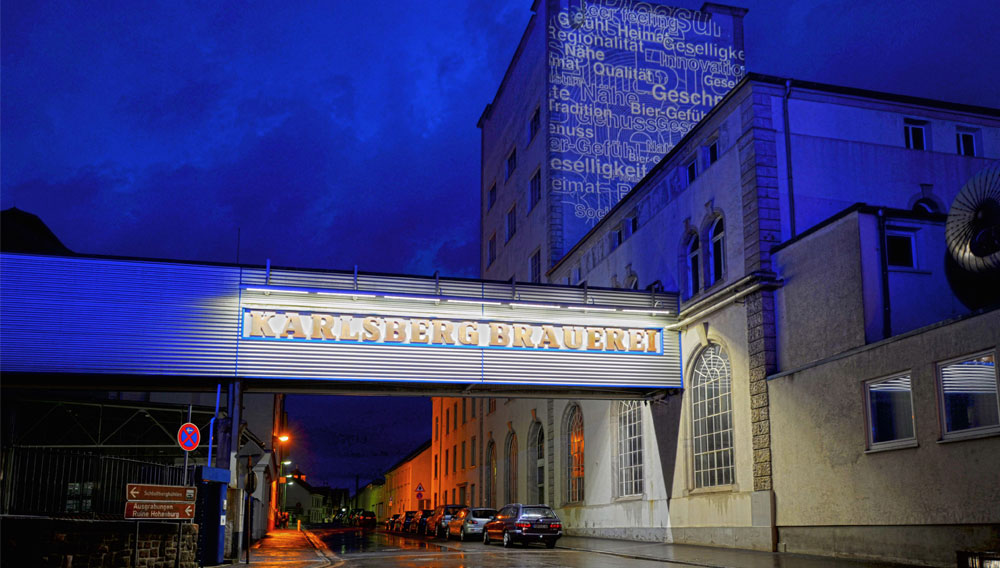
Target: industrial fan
972,233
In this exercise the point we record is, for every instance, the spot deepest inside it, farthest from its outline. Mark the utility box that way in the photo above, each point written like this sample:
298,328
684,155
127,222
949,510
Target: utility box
211,514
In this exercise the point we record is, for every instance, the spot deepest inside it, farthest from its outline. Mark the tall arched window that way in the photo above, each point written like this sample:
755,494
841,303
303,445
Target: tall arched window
510,488
574,455
712,415
630,472
693,266
491,476
536,464
717,268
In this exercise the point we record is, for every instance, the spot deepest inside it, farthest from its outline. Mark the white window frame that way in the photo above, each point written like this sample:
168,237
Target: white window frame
989,430
711,410
907,442
909,125
629,450
575,469
717,256
908,233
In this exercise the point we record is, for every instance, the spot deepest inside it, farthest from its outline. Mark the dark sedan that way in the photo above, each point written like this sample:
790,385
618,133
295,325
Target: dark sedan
524,524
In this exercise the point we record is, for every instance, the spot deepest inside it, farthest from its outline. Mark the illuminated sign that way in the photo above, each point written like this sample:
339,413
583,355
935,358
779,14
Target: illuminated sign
339,328
626,81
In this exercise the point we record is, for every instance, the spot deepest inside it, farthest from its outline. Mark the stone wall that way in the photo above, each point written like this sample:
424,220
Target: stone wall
67,543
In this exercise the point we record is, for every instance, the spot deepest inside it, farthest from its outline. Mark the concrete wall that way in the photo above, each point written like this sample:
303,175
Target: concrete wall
916,504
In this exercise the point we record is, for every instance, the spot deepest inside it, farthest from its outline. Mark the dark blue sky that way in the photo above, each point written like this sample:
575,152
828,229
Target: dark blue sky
159,131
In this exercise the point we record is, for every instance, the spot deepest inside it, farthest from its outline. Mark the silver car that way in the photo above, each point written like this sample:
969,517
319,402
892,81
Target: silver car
469,522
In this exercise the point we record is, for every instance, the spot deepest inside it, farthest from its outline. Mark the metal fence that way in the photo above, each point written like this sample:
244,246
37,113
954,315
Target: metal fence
56,482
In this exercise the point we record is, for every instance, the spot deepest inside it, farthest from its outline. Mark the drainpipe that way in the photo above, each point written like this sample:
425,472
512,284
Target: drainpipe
788,156
884,265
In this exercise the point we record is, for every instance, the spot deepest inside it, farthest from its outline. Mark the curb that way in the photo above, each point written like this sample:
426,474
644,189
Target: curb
640,557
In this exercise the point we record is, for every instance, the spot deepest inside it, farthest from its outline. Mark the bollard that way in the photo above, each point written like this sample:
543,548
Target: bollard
298,524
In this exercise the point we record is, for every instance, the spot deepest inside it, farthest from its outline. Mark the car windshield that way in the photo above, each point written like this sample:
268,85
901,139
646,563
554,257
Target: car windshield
484,513
536,512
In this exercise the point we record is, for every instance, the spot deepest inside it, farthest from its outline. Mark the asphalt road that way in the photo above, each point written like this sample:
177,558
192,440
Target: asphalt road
364,548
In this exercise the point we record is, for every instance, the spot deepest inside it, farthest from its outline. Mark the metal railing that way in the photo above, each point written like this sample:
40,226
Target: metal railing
58,482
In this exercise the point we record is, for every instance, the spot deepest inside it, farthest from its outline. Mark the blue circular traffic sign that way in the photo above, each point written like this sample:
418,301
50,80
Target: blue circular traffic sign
188,437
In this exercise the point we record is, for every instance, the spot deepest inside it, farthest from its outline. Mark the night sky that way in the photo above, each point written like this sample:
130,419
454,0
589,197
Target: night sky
165,131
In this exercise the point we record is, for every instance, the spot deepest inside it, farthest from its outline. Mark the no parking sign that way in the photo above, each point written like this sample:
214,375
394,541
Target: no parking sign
188,436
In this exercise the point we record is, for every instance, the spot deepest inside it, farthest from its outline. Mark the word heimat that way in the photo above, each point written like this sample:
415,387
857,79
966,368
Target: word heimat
325,327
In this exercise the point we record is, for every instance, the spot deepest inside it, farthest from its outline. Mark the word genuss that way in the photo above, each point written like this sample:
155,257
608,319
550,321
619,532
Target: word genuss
324,327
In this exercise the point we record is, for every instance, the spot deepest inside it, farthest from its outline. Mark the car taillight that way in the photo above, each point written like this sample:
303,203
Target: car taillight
472,521
556,525
523,525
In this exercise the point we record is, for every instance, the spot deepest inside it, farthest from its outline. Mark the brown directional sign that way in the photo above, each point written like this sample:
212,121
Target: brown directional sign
178,493
151,510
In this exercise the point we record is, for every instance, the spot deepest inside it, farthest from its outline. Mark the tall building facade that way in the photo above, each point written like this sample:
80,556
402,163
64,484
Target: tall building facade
596,94
833,368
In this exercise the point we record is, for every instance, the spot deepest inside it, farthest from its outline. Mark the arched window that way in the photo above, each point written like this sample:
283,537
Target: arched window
491,475
510,488
925,205
574,455
693,266
717,268
630,472
712,415
536,464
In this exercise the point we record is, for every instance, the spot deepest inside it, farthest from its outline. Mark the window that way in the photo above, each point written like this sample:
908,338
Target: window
437,427
511,222
490,490
915,132
536,266
473,407
436,466
446,462
693,266
713,152
491,249
574,461
536,469
454,416
535,190
472,494
630,475
614,239
447,421
453,497
712,418
968,393
890,412
692,170
511,164
899,249
629,225
966,141
718,264
465,402
463,455
577,274
472,448
461,496
491,197
926,205
510,488
454,458
492,406
534,124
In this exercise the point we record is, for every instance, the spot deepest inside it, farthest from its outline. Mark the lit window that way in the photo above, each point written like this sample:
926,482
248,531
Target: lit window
718,264
968,394
510,489
491,197
692,170
630,474
536,190
712,417
915,132
511,164
890,412
534,124
491,250
511,222
965,140
693,267
899,249
574,463
536,267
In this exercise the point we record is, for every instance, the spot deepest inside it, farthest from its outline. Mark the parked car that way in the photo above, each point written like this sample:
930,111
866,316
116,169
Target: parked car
470,522
524,524
366,519
404,521
419,523
437,524
390,523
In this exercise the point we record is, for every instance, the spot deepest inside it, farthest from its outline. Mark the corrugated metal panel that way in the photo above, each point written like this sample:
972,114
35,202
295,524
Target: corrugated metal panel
143,317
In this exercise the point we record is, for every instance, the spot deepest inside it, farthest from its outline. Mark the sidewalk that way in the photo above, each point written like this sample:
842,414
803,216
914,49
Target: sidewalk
288,548
710,557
